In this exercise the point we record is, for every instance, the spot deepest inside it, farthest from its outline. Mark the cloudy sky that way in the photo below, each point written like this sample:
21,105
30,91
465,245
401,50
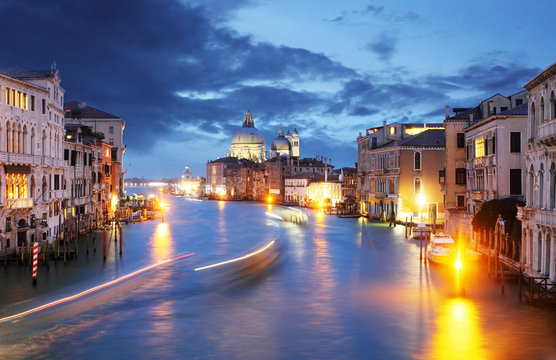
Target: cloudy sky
183,73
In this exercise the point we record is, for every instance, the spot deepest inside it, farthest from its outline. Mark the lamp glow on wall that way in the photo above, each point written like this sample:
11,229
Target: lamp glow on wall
422,201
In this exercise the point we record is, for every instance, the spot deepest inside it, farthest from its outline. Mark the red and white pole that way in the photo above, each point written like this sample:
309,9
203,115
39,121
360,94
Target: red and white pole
35,261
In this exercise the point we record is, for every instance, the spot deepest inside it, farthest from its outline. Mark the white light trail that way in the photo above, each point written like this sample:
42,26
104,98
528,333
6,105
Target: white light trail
237,259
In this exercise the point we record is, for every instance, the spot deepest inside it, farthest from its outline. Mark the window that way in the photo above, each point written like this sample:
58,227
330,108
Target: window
518,102
417,185
32,102
503,108
374,141
73,157
494,144
461,140
515,181
486,146
461,201
43,106
460,176
56,182
111,141
7,96
66,154
515,142
417,161
392,130
111,130
468,152
479,147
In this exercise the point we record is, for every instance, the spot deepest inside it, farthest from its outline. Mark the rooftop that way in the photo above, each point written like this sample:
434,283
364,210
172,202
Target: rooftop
81,110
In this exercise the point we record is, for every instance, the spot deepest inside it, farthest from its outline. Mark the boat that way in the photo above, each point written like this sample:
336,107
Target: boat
421,231
441,249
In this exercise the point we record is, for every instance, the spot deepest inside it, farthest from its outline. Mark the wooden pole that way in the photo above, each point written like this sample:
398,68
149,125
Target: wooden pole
519,279
104,245
120,240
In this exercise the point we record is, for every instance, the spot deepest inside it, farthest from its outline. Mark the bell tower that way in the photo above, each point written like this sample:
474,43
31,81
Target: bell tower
294,140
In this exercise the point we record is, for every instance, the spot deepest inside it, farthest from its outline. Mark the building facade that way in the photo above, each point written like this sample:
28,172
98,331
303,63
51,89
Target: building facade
538,216
112,127
248,142
31,156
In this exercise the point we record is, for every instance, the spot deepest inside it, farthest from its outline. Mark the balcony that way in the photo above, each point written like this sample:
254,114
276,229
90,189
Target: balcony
479,162
20,159
525,213
82,200
26,203
57,194
546,132
492,160
545,217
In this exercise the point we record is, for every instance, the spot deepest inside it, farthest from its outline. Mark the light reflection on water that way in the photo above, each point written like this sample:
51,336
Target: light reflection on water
344,288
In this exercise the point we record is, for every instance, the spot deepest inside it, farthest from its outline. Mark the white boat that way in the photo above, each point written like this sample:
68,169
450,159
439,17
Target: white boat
441,249
421,231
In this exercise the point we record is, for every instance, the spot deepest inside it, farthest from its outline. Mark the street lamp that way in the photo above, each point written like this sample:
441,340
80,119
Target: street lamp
421,199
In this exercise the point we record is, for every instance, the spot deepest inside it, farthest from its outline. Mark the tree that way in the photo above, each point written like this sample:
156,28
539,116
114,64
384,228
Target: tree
485,219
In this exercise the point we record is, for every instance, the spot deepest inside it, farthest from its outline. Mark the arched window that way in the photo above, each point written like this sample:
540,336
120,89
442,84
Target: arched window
531,186
552,194
32,141
24,140
8,137
541,187
44,190
417,186
547,255
532,120
43,143
552,106
541,111
539,253
417,160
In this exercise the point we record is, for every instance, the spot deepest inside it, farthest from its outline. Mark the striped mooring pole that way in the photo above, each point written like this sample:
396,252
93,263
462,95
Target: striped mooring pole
35,261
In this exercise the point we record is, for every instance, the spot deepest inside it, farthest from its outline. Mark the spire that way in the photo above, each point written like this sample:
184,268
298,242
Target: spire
280,132
248,120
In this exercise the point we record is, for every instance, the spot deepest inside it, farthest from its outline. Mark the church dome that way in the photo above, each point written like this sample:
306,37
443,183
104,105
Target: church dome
248,136
281,144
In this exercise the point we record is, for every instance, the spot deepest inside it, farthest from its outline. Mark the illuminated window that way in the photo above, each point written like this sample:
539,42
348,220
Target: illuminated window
417,161
417,186
392,130
16,186
7,96
479,147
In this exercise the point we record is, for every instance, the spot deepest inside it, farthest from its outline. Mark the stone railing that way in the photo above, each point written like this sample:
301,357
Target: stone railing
545,217
19,203
479,161
546,129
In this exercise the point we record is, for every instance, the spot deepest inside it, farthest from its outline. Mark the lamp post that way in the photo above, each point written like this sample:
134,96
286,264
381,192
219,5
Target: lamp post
162,204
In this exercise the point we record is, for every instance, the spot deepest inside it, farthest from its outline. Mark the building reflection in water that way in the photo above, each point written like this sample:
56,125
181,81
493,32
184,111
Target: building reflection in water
458,332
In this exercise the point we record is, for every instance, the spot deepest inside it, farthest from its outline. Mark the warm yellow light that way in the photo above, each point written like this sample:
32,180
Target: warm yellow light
320,214
421,199
269,207
113,202
160,189
458,264
392,130
269,199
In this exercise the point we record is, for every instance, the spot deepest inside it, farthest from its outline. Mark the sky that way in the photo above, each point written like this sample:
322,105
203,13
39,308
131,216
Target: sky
183,73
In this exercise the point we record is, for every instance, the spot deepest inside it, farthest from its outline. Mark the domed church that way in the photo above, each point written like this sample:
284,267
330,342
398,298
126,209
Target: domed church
248,142
287,145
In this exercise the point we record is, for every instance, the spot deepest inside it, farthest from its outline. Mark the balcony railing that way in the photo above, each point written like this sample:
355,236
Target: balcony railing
546,131
82,200
545,217
479,161
19,203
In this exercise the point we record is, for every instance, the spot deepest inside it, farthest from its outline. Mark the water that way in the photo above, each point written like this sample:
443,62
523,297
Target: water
339,289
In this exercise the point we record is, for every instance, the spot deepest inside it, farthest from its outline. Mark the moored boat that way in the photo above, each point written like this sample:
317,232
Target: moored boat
441,249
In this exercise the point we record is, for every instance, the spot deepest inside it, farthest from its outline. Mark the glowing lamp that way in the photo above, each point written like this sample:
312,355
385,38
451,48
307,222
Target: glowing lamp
458,264
269,199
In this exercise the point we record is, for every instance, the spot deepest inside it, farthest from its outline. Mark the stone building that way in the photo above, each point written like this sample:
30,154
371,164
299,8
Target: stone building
379,168
31,156
457,194
248,142
538,216
112,127
295,187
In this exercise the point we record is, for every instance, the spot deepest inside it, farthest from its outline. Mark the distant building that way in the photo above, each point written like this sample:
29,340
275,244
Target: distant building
248,142
191,185
229,178
111,126
295,187
285,145
395,164
538,216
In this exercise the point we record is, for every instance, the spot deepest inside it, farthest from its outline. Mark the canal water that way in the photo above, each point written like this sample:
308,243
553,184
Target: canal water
338,289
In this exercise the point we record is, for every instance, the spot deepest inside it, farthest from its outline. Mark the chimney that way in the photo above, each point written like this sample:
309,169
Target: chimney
447,112
325,174
384,132
471,118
